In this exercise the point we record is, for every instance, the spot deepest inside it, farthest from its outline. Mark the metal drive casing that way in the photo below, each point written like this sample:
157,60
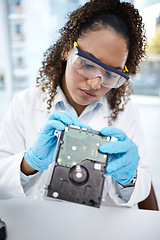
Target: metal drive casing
79,171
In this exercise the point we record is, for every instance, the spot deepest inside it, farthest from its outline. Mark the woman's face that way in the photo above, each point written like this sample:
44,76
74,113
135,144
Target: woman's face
107,46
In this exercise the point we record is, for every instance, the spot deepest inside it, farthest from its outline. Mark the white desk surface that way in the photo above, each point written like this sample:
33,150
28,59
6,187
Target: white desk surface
29,219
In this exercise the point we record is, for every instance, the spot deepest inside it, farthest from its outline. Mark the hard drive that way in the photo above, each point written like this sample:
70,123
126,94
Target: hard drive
79,170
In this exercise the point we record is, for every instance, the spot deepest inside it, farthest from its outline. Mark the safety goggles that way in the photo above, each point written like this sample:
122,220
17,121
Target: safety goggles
90,67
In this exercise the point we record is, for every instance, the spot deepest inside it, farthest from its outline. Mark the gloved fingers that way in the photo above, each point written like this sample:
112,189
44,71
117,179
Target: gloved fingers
65,117
117,163
128,169
84,126
119,177
52,125
116,146
123,162
36,162
123,181
113,132
44,144
123,176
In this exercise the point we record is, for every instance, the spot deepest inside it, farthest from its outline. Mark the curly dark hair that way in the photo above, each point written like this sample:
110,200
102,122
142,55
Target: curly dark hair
82,21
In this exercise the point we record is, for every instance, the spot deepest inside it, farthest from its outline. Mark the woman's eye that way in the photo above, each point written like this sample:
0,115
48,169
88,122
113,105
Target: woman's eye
87,65
108,74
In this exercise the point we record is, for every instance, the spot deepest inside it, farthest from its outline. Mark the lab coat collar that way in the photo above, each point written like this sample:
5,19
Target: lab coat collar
42,105
61,99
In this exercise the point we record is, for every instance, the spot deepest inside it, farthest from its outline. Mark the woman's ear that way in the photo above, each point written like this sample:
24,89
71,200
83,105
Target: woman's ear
64,54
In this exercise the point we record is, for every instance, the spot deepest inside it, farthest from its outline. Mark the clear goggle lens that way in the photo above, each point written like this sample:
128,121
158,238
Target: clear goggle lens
90,70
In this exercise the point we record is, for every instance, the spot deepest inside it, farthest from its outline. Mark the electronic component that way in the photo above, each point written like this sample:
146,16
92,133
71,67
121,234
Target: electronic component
80,169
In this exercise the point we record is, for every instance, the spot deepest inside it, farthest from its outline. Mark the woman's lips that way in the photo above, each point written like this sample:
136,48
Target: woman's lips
87,93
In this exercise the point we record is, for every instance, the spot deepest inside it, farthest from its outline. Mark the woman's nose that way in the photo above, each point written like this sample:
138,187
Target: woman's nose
95,82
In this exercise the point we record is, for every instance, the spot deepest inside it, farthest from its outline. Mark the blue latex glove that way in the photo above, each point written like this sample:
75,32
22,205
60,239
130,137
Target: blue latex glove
123,155
40,155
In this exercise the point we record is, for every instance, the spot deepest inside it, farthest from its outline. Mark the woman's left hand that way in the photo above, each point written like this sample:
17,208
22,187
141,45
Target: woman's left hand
123,155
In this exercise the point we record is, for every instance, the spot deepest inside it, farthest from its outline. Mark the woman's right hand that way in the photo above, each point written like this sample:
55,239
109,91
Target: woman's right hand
40,155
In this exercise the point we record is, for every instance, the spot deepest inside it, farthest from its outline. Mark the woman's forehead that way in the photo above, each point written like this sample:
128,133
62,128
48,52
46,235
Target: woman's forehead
105,45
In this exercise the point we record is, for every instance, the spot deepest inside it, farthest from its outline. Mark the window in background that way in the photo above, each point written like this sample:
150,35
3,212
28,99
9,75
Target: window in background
17,35
33,27
147,81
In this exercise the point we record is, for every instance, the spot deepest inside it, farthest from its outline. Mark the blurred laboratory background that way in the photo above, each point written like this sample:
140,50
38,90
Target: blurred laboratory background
28,28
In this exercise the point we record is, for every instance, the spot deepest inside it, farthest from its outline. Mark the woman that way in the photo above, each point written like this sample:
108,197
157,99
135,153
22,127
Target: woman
84,81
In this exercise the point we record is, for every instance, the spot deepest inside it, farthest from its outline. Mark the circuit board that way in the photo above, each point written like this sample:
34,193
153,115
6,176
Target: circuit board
80,144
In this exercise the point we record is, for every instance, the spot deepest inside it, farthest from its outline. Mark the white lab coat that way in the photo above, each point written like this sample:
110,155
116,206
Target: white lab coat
27,115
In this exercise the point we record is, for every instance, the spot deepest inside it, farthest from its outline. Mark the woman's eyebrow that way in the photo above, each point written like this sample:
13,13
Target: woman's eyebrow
90,54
